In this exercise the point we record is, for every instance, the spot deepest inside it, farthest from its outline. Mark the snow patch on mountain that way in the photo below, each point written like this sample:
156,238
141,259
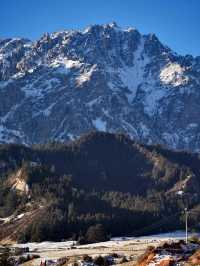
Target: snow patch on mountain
128,84
64,65
99,124
48,110
173,74
11,135
132,76
3,84
85,76
35,89
144,130
152,99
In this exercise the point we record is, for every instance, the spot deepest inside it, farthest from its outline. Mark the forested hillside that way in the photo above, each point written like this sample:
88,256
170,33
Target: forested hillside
98,186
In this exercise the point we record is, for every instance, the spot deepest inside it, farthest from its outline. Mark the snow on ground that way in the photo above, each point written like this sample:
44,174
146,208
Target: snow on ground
48,110
192,125
132,77
10,113
71,136
3,84
115,241
144,130
94,101
180,192
126,246
99,124
64,65
152,97
171,138
10,135
36,91
86,75
130,128
176,235
158,258
173,253
173,74
6,219
46,246
13,218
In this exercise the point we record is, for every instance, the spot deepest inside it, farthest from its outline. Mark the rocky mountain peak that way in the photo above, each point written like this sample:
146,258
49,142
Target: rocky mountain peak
102,78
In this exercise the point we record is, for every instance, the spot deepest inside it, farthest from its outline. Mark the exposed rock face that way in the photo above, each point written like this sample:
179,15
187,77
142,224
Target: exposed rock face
18,181
103,78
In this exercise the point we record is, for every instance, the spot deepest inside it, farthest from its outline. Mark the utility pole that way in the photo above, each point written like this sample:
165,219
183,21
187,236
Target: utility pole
186,226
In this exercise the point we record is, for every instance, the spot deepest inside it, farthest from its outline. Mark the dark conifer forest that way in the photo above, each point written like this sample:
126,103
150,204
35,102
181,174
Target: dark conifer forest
98,186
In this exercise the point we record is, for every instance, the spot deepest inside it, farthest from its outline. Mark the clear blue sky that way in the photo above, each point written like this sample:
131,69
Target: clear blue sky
175,22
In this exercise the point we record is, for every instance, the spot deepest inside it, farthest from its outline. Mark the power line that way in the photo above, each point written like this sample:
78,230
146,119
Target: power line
186,226
187,212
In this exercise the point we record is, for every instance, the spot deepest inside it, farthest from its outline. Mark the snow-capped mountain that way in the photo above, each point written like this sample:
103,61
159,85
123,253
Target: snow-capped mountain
102,78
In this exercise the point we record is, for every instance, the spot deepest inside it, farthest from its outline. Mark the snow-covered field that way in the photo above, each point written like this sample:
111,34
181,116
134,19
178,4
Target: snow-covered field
169,235
127,246
47,246
114,242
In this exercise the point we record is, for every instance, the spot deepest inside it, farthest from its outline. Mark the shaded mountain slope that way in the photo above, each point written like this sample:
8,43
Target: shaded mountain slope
100,178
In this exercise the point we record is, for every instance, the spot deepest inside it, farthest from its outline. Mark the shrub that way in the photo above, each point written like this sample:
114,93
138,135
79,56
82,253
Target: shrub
96,233
87,258
101,261
194,239
124,259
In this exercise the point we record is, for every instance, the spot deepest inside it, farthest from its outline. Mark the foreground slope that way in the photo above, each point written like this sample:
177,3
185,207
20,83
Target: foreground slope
105,78
57,191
